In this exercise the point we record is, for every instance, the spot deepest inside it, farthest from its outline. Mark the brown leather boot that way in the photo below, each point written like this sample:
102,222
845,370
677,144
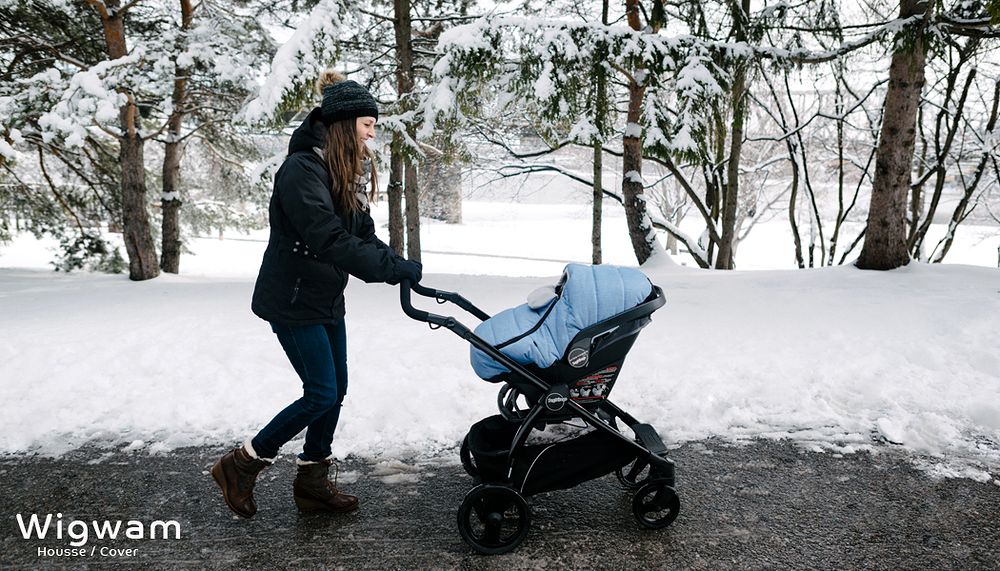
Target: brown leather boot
313,491
236,473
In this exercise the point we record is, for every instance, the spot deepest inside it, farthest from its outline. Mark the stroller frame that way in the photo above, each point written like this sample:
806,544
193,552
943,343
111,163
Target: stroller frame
497,507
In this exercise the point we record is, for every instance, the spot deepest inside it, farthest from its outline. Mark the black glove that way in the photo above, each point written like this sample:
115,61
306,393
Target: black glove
406,270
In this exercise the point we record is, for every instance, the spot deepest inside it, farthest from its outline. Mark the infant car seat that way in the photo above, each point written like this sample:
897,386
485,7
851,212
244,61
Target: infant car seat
538,333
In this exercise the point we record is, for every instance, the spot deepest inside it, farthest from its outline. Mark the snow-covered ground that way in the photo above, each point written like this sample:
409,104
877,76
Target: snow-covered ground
838,359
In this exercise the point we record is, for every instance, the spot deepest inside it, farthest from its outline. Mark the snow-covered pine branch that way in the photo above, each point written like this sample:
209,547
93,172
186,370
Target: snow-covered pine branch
92,97
312,48
518,60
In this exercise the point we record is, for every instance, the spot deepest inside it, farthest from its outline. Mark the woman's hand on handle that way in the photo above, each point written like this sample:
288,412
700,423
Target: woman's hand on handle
411,270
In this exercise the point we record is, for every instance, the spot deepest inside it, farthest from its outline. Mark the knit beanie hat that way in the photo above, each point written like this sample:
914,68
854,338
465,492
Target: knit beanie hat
345,99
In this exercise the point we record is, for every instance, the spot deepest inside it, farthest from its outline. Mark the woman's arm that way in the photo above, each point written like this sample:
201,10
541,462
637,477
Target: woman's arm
306,202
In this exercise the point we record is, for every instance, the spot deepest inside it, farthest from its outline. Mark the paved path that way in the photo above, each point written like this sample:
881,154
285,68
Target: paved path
766,505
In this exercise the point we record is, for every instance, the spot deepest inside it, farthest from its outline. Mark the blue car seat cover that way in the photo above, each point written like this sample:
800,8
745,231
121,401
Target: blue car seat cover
539,336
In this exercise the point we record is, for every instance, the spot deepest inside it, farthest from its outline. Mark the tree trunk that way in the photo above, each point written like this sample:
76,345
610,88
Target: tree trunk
139,245
917,190
731,189
793,205
839,112
726,259
715,177
136,233
885,245
595,232
600,115
632,183
170,203
411,194
395,195
404,87
170,255
639,228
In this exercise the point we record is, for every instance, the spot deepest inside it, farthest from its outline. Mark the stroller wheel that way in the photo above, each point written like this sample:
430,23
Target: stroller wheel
468,462
632,476
493,519
656,504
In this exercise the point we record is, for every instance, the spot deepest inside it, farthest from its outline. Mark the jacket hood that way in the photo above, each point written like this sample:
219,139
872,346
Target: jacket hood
311,133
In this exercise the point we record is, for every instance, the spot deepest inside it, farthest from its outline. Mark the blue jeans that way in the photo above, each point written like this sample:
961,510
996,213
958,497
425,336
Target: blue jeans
319,355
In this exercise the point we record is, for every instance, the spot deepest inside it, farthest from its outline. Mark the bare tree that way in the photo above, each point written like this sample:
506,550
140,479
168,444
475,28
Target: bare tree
966,203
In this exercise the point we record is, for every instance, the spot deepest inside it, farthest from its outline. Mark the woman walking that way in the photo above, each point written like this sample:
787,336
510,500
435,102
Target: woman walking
321,231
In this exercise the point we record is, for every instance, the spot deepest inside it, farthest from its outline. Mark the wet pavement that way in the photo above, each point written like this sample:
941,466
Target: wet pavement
765,505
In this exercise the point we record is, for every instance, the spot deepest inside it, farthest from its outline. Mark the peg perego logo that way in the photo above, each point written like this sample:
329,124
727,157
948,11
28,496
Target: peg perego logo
81,532
578,357
555,401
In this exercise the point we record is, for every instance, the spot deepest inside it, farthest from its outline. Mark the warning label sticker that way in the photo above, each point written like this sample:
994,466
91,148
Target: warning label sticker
596,385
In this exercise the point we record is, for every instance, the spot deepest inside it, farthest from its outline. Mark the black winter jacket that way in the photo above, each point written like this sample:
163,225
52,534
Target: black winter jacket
313,246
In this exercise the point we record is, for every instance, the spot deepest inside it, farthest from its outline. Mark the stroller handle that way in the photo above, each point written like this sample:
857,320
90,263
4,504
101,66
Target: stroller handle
405,286
404,300
435,320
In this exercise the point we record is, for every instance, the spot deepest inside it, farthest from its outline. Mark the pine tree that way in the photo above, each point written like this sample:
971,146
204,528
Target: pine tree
154,80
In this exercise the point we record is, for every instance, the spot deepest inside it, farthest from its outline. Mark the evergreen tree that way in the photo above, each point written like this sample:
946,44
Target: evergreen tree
164,74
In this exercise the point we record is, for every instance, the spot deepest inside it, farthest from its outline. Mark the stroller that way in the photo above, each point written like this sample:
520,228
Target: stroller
494,516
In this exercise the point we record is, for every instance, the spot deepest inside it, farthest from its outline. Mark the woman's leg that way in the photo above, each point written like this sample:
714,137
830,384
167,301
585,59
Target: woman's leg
319,433
312,490
309,350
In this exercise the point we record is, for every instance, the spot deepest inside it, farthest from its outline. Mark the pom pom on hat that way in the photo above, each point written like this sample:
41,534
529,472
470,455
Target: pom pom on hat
344,98
327,78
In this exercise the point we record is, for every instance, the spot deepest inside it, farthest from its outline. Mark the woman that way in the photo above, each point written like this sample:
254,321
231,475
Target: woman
320,232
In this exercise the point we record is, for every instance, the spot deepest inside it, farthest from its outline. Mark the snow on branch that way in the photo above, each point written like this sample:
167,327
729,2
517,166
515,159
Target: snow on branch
802,55
543,67
91,98
9,138
311,49
545,62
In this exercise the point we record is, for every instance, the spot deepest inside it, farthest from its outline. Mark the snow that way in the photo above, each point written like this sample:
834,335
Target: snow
837,359
584,131
635,176
695,79
544,85
683,140
7,151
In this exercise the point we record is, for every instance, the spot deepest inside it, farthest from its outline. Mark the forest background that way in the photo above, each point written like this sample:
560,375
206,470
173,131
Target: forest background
871,127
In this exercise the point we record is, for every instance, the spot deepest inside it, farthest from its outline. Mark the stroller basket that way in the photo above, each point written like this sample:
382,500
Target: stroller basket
544,467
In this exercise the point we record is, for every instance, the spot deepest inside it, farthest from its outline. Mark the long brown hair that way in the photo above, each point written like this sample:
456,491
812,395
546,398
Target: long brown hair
344,157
